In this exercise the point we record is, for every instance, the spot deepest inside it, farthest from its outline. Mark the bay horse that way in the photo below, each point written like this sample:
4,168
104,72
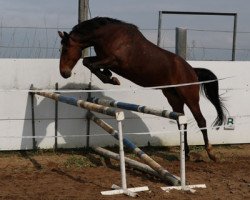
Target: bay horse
121,48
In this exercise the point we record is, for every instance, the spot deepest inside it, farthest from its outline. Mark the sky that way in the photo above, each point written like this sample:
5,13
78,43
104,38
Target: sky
61,14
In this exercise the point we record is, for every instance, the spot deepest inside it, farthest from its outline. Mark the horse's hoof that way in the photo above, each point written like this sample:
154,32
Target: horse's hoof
213,157
107,73
115,81
187,157
196,157
85,62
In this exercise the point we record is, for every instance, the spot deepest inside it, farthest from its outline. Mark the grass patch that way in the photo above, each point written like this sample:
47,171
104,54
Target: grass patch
196,148
171,157
78,162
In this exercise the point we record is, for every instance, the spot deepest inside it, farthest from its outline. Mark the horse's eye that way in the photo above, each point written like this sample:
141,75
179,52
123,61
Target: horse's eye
60,49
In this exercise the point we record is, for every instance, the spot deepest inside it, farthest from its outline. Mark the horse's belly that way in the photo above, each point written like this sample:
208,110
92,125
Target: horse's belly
145,78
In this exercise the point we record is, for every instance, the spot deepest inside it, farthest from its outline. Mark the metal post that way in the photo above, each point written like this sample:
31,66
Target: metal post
159,29
181,42
56,119
33,118
234,37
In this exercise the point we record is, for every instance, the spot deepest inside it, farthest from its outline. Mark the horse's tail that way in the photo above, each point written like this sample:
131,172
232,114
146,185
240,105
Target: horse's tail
211,91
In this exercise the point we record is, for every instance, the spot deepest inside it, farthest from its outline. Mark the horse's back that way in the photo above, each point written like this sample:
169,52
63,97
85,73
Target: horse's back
158,66
143,62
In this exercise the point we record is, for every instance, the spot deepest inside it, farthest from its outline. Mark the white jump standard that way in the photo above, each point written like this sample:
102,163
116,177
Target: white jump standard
184,187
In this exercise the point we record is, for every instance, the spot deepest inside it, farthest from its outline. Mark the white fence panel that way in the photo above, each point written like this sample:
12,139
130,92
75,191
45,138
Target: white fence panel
15,109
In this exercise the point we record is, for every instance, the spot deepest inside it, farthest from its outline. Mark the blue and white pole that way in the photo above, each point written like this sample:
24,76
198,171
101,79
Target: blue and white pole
136,108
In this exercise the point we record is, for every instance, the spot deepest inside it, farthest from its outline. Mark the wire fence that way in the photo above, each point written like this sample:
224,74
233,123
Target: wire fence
207,44
30,42
203,44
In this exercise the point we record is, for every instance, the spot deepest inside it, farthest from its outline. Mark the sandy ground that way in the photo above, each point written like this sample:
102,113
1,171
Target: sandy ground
83,175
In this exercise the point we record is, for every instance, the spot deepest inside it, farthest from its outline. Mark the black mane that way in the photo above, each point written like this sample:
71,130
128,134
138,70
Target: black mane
97,22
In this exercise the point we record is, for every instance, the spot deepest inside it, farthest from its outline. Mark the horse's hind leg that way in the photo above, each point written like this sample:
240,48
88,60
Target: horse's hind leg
177,105
195,109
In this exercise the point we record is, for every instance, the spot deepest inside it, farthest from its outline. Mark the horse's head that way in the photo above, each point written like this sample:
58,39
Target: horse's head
71,52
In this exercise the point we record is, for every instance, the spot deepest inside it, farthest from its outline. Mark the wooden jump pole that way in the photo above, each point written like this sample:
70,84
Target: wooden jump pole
163,173
81,103
136,108
132,163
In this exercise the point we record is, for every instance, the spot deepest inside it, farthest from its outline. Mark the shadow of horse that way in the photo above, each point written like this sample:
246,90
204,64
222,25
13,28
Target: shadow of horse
72,123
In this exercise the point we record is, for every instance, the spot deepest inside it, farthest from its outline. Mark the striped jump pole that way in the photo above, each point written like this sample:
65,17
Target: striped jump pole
119,115
136,108
163,173
132,163
83,104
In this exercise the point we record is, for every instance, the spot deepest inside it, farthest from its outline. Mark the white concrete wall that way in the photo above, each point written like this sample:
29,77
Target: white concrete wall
15,110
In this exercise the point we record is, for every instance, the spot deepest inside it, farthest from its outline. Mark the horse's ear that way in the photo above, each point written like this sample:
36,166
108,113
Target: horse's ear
60,34
65,34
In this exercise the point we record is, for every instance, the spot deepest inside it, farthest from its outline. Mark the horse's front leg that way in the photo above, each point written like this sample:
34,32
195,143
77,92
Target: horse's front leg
104,63
104,75
88,61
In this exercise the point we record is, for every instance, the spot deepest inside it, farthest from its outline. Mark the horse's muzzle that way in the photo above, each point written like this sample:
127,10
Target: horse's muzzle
66,74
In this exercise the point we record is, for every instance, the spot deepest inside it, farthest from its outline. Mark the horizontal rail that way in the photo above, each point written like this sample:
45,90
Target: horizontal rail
197,13
136,108
83,104
132,163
